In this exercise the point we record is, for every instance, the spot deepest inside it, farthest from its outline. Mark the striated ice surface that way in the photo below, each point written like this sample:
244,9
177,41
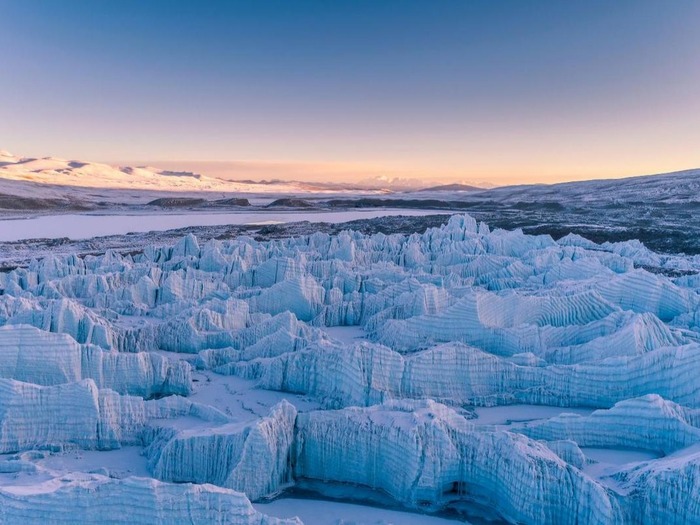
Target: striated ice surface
79,414
645,423
455,373
35,356
209,367
422,454
665,491
100,500
253,458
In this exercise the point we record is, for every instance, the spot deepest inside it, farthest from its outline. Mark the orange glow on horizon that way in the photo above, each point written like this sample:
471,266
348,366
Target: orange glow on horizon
352,172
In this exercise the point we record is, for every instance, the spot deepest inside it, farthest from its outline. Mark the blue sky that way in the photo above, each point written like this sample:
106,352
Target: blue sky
508,91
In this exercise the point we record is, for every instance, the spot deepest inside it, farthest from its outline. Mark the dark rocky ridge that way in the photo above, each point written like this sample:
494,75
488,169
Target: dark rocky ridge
288,202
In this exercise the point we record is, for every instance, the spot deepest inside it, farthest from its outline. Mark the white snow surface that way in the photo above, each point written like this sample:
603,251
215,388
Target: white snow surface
462,372
321,512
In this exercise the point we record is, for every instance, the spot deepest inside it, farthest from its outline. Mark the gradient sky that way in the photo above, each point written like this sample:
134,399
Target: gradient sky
504,91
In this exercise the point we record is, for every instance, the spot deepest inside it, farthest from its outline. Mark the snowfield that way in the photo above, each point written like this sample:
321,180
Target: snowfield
460,374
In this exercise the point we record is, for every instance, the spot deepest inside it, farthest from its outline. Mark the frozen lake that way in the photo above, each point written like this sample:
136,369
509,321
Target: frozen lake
85,226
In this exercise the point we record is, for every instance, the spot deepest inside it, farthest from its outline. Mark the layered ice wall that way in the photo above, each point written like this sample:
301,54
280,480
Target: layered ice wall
98,499
79,414
253,458
645,423
423,454
35,356
454,373
465,341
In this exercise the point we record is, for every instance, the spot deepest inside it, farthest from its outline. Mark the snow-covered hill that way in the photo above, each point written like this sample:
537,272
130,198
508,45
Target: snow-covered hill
659,210
53,177
670,188
54,183
47,183
51,183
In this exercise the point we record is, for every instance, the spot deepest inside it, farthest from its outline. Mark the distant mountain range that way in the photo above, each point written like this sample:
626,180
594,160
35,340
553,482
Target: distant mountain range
72,180
452,187
70,173
46,183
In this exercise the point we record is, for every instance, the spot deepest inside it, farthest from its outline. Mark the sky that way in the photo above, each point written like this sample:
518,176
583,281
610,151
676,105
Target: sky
505,91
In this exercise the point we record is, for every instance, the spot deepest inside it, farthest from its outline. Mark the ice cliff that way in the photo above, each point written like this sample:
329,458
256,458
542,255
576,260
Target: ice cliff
100,500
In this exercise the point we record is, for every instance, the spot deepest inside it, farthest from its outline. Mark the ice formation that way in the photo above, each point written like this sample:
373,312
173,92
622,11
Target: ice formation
423,454
98,499
252,458
79,414
35,356
102,352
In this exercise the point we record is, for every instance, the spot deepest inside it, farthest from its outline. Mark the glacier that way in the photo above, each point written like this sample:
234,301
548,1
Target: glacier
223,364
